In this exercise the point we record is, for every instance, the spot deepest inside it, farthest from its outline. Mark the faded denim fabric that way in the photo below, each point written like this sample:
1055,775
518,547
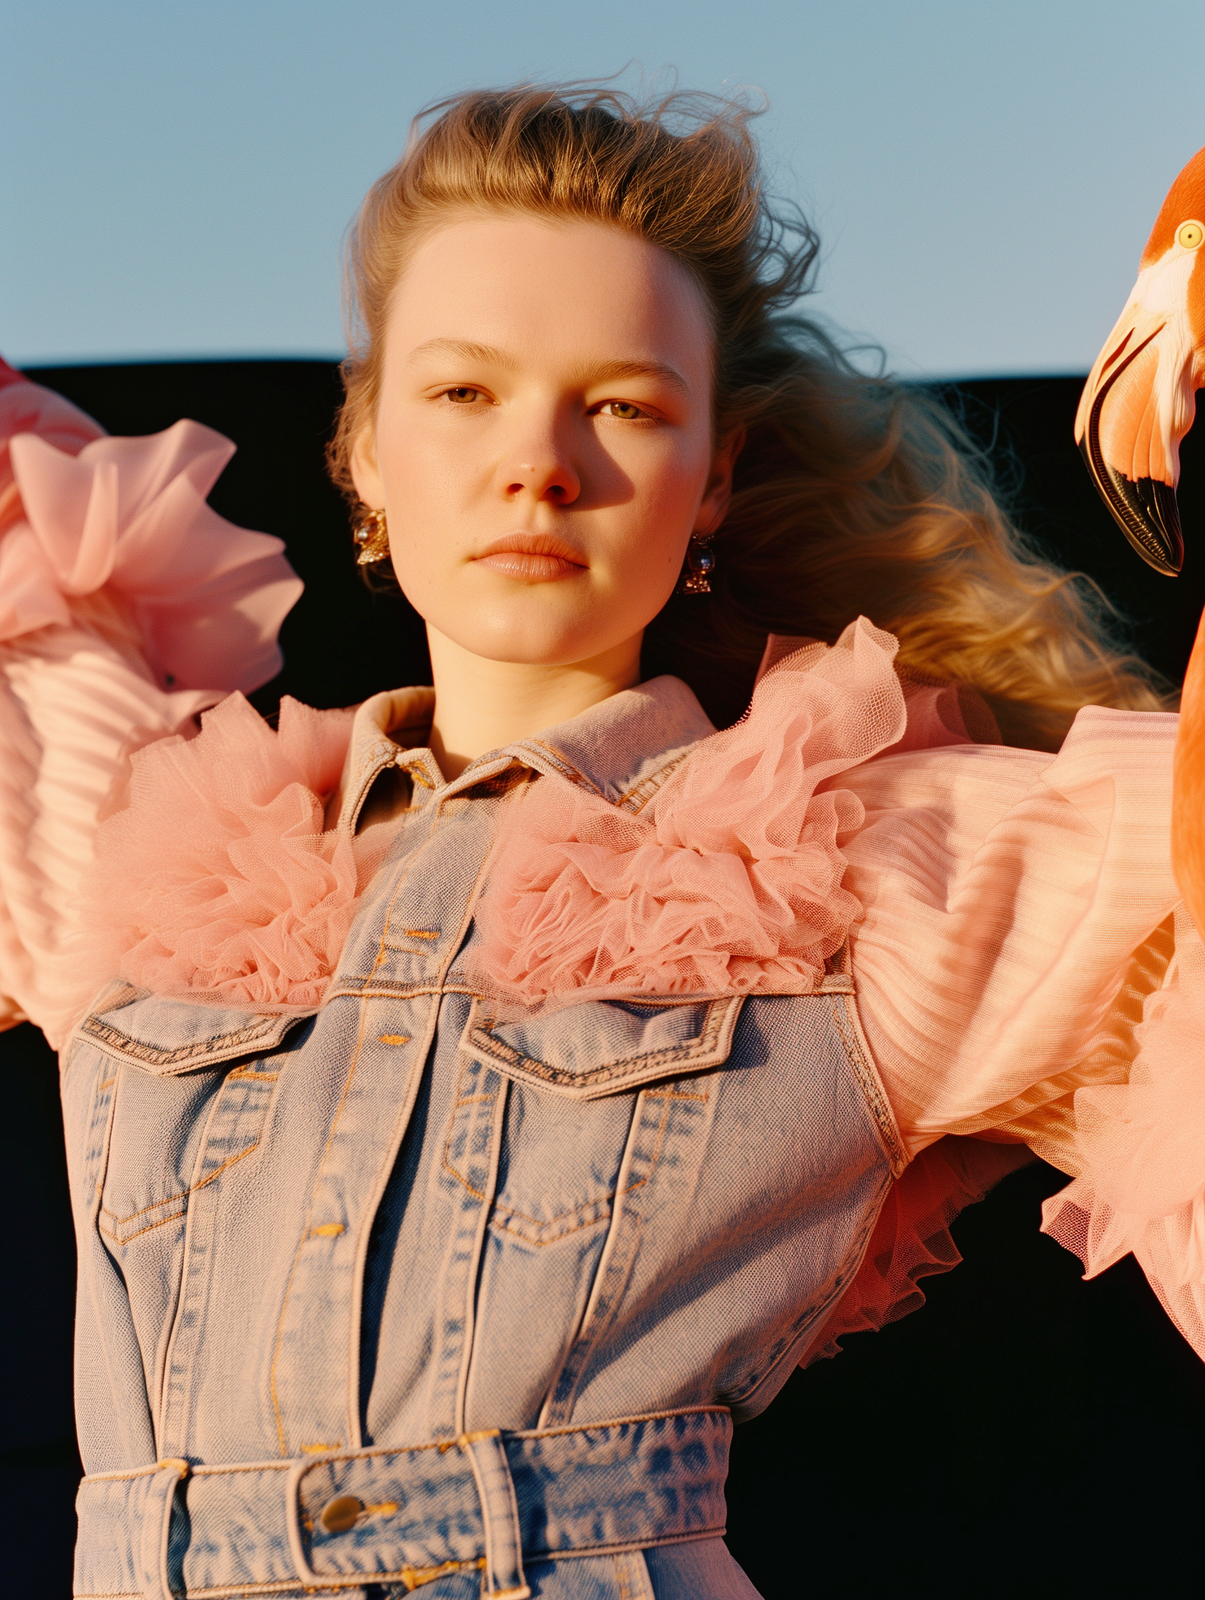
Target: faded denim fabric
399,1293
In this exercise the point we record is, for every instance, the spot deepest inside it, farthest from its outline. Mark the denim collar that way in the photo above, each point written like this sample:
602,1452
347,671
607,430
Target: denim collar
622,748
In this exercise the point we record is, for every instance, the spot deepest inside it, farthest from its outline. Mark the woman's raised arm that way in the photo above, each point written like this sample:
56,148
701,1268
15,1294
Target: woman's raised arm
1028,971
126,607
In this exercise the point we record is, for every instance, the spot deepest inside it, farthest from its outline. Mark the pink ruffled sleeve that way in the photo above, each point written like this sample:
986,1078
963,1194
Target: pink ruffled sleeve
126,606
1027,973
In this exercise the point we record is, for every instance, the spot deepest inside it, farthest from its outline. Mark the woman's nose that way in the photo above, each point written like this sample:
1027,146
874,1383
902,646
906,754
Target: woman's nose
541,468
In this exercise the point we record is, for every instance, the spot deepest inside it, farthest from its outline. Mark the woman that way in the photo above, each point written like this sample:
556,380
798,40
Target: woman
477,1100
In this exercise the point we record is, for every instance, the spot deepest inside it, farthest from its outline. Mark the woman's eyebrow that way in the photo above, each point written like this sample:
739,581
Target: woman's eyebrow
601,372
465,349
612,371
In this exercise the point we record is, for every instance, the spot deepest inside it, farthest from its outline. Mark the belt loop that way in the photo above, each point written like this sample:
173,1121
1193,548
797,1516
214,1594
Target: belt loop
504,1578
156,1521
301,1466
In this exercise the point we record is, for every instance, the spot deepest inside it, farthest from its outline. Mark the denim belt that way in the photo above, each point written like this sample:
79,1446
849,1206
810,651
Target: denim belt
483,1501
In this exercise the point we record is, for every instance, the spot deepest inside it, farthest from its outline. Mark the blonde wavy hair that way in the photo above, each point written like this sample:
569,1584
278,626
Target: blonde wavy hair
851,495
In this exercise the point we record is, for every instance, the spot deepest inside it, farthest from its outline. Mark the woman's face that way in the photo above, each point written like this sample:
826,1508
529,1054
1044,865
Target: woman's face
543,444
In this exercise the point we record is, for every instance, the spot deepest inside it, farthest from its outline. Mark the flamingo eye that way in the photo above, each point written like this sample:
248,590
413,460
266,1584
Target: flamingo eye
1189,235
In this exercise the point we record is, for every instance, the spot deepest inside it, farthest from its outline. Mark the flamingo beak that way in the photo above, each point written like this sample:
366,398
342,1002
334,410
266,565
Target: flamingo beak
1119,398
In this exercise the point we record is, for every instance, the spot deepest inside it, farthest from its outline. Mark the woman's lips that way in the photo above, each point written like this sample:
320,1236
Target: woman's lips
534,560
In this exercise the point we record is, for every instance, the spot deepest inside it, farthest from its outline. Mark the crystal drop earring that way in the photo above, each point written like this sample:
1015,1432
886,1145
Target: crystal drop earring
371,537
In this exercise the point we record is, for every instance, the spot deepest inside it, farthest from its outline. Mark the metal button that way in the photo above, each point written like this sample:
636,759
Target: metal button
340,1514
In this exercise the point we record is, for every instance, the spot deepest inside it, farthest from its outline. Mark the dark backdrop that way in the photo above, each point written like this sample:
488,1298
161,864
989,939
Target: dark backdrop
1024,1429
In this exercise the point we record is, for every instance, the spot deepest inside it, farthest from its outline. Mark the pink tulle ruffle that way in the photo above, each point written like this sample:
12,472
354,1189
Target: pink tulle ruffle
730,879
218,880
129,515
1141,1146
911,1238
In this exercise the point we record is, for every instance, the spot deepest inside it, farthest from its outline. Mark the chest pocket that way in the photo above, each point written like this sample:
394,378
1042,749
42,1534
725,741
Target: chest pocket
190,1091
598,1048
573,1109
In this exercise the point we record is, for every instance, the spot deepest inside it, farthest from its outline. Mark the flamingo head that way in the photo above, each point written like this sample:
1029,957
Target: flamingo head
1140,397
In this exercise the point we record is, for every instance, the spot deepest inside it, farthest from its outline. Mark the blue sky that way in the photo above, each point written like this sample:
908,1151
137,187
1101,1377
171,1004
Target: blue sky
176,177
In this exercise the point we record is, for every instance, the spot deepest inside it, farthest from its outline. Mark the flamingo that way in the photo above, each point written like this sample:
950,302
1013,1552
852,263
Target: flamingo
1137,405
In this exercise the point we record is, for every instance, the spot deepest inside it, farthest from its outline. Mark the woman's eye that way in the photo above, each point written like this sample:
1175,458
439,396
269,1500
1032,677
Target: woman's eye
623,409
462,396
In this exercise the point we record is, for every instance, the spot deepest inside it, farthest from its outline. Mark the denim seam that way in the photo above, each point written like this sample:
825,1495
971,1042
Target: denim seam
122,1240
562,766
305,1234
849,1028
816,1310
451,1170
624,1235
183,1194
381,759
383,989
176,1324
560,1430
104,1034
608,1200
668,1093
202,1470
128,1474
652,784
573,1211
497,1127
172,1200
606,1203
99,1172
659,1142
237,1074
289,1587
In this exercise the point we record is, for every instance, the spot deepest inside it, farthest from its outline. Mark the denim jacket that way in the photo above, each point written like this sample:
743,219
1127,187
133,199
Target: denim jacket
400,1293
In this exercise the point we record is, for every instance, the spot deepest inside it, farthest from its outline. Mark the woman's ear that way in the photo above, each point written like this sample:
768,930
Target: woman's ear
714,505
365,473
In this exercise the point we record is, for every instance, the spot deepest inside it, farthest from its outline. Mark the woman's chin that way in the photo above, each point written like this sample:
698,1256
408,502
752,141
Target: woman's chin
526,642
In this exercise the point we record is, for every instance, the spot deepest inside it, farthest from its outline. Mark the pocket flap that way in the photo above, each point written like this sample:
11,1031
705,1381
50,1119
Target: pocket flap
171,1036
602,1046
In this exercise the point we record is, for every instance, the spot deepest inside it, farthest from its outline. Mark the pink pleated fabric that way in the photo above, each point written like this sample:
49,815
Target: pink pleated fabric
108,556
1004,895
1014,978
218,880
